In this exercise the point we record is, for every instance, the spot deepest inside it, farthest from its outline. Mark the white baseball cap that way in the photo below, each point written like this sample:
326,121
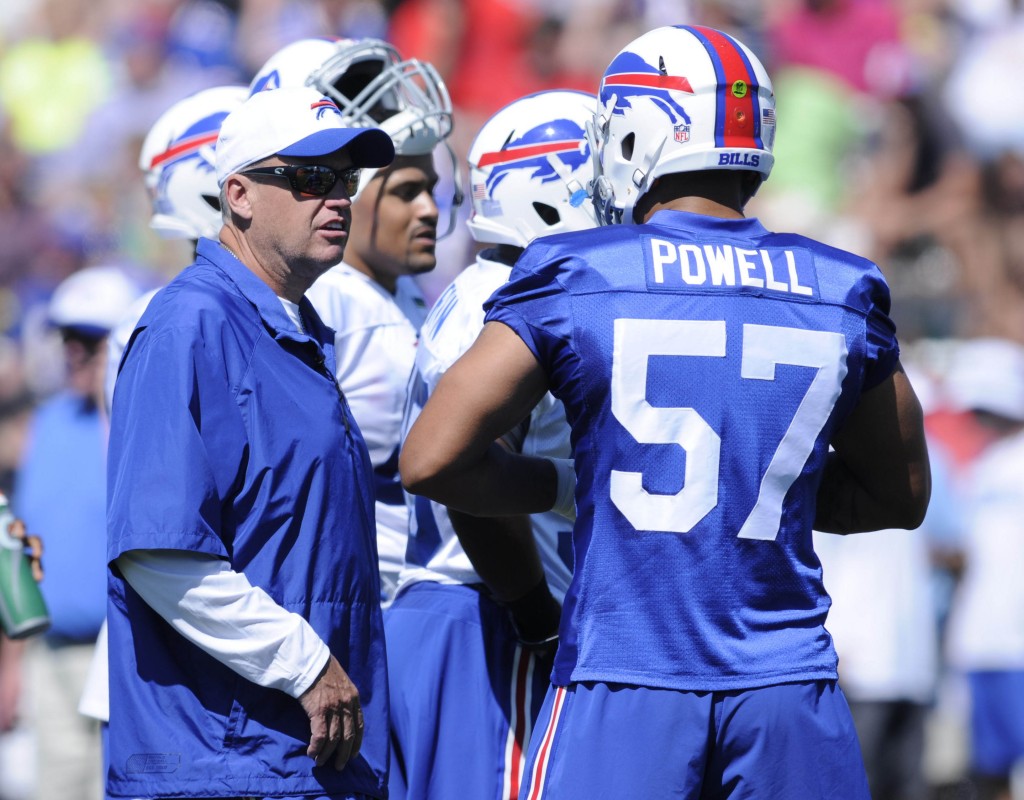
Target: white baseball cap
987,374
294,122
92,300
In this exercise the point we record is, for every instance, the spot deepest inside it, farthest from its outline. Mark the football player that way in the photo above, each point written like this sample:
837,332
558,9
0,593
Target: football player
468,664
728,389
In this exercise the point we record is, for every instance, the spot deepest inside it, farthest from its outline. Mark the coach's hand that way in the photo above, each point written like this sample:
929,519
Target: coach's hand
335,717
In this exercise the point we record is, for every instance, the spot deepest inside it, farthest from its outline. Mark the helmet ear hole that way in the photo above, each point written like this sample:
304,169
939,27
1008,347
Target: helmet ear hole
627,146
212,201
547,213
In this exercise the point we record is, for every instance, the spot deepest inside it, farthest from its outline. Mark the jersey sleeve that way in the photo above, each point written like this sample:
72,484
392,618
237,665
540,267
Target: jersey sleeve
882,350
535,304
176,445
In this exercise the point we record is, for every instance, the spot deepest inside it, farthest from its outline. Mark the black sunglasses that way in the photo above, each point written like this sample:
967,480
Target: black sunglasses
311,179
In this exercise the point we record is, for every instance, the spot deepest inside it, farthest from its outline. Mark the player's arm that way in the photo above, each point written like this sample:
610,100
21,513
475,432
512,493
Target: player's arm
505,556
450,454
878,476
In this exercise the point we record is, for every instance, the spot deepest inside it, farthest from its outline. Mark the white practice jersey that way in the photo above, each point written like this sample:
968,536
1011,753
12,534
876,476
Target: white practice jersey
117,341
882,618
375,346
434,552
986,625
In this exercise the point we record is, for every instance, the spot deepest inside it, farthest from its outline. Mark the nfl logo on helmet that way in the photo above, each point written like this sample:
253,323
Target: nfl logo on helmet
682,133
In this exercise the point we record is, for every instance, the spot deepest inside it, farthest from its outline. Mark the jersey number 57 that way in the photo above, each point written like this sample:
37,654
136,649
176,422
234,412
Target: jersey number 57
764,346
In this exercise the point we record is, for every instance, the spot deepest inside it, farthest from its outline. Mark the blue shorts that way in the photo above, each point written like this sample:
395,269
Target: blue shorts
788,742
464,695
997,721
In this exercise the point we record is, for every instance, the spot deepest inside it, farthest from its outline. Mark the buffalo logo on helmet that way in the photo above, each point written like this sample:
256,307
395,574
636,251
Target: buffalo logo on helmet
562,138
272,80
191,144
629,76
194,145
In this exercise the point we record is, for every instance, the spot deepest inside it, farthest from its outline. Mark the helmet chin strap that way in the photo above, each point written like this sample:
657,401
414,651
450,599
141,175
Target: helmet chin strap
458,193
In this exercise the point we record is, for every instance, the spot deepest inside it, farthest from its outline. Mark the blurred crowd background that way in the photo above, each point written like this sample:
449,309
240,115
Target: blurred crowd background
900,137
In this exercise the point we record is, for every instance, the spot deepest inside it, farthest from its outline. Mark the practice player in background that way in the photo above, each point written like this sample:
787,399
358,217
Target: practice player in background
468,665
706,366
371,300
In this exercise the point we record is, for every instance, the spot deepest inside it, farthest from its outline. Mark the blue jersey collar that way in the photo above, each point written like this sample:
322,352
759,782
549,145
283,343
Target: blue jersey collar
686,220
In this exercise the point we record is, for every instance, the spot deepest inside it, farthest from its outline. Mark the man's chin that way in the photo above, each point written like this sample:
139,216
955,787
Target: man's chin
421,264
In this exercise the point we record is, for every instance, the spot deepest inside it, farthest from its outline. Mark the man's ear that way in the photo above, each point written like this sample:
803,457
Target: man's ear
237,193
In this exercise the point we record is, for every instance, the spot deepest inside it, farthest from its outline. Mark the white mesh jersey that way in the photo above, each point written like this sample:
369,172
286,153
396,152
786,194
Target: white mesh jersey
434,552
375,346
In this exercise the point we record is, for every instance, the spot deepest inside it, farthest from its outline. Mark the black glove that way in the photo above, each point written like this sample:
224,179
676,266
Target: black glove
535,617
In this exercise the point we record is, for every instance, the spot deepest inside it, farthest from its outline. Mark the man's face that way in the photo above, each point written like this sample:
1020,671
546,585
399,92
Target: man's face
394,222
85,358
307,232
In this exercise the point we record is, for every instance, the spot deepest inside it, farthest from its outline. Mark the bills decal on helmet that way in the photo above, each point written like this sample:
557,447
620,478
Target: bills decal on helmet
202,134
738,119
272,80
630,76
562,138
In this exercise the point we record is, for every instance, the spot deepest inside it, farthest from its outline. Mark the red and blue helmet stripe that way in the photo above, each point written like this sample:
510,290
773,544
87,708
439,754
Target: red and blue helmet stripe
202,134
738,111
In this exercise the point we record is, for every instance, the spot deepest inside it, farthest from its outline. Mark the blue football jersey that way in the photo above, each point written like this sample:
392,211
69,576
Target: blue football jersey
704,365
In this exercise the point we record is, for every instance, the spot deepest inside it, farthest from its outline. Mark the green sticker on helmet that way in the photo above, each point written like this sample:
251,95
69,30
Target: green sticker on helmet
739,89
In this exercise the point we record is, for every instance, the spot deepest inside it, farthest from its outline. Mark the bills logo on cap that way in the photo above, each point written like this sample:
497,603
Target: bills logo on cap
324,106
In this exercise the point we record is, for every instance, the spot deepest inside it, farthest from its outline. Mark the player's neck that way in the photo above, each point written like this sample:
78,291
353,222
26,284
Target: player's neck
695,205
713,193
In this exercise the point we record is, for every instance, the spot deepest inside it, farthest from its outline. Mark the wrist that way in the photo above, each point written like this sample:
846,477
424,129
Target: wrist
536,614
565,491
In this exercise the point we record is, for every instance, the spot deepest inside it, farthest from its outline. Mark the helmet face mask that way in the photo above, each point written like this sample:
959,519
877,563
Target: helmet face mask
177,161
678,99
530,169
373,86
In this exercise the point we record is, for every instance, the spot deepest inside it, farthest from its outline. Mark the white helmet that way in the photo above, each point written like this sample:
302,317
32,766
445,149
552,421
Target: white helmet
93,300
530,167
679,99
373,86
177,160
